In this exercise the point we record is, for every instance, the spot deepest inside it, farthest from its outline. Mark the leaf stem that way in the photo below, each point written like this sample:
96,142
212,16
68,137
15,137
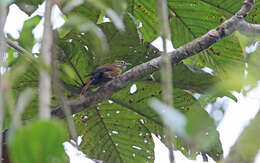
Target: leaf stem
2,67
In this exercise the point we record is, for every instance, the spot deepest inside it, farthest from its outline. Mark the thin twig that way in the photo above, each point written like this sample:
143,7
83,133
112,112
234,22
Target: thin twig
63,101
2,67
45,80
166,68
17,47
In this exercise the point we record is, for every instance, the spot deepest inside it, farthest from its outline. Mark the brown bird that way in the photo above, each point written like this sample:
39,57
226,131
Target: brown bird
104,73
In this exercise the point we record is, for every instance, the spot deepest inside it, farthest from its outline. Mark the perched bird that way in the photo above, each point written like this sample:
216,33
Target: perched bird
104,73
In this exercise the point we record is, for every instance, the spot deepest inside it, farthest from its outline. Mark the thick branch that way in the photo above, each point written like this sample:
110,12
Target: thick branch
188,50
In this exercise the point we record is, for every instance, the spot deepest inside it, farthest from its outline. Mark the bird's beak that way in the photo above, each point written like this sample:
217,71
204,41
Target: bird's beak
128,64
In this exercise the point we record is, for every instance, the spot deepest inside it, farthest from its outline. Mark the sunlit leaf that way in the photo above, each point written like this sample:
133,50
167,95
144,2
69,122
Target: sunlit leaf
26,39
39,141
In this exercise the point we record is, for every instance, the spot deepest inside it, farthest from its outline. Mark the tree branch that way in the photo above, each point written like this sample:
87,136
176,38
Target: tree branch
140,71
249,29
166,67
59,91
16,47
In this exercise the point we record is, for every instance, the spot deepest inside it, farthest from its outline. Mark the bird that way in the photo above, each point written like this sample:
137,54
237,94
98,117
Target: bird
104,73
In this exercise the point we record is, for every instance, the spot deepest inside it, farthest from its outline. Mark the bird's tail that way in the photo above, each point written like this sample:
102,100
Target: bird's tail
84,89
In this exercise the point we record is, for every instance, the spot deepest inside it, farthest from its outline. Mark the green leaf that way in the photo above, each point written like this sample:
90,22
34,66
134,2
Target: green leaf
199,133
28,78
189,20
253,16
221,57
202,129
190,78
93,31
172,118
39,141
192,19
251,50
95,9
115,134
114,17
128,121
12,55
26,39
146,15
82,9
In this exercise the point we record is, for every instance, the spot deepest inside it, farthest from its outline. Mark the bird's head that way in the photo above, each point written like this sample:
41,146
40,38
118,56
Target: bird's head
122,64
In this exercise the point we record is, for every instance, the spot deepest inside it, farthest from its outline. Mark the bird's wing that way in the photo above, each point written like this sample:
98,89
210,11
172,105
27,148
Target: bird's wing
112,74
99,71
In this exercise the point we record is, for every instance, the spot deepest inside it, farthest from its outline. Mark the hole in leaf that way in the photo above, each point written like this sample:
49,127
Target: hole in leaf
136,147
133,89
115,132
86,47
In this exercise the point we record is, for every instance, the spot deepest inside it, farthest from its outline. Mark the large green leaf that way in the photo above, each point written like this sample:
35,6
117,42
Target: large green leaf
189,20
115,134
40,141
206,15
118,130
186,103
26,39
